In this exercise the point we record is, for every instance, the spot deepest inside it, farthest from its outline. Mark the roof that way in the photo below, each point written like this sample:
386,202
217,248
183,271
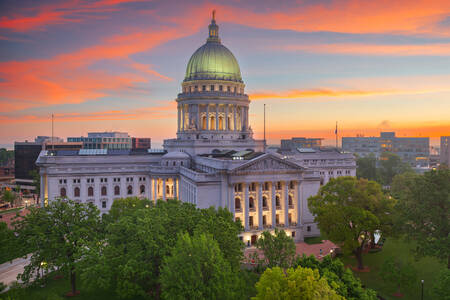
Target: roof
176,155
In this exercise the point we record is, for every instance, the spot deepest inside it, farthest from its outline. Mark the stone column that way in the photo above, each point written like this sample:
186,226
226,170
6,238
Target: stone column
273,203
207,116
286,203
155,189
198,117
226,117
246,117
178,120
164,189
149,192
245,186
299,204
242,117
183,115
217,116
175,188
235,117
260,209
231,199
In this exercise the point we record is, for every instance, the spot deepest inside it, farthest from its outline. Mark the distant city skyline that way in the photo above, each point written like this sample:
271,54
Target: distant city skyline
117,66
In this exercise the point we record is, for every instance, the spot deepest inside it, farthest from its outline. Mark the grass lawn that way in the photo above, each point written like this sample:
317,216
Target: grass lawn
427,269
10,210
313,240
56,289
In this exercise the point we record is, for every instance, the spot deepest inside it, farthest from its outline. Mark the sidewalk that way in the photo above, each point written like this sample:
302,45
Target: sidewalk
9,271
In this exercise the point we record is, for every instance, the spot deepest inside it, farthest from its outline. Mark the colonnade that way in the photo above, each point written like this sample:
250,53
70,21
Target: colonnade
164,188
255,202
207,116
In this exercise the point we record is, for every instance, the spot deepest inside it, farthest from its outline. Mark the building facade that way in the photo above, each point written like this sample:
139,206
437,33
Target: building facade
445,150
412,150
141,143
301,142
104,140
213,161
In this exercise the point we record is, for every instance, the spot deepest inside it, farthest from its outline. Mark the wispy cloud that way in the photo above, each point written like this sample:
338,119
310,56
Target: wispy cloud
372,49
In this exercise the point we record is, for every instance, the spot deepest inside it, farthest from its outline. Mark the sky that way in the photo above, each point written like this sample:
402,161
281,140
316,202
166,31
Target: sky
117,65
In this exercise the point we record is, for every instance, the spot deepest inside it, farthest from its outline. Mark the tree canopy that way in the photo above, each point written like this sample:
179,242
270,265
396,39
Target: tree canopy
366,167
196,269
423,211
57,235
300,284
348,211
278,249
390,164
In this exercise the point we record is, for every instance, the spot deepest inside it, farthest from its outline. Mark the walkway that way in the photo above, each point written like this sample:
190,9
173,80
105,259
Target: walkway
9,271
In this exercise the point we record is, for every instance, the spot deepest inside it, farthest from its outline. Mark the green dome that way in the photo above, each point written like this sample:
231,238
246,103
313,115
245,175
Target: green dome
213,60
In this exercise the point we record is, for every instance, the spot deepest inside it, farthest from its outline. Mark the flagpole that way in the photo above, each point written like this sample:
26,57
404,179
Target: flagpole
53,143
264,127
336,133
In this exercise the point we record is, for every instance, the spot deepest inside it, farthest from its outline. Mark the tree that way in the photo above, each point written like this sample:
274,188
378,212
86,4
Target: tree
36,181
340,278
196,269
366,167
390,164
397,274
9,246
57,235
348,211
300,284
423,212
125,206
130,257
9,196
441,285
278,249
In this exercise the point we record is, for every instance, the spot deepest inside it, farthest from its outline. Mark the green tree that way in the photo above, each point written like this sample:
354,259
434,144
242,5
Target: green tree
9,245
196,269
390,164
6,156
397,274
423,211
300,284
9,196
348,211
366,167
129,259
36,181
278,249
441,287
57,235
340,278
125,206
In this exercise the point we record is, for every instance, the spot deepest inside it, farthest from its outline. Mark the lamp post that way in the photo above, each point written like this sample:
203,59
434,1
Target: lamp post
422,289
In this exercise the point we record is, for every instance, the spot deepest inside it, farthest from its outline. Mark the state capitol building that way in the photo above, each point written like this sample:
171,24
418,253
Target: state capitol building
213,161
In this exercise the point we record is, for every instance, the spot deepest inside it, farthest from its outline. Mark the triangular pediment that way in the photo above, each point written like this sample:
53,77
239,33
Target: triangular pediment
267,163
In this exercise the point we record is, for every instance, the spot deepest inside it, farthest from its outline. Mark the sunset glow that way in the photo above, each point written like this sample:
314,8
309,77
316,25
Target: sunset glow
118,65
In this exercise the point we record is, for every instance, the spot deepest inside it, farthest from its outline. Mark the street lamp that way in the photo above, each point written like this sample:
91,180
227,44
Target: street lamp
422,289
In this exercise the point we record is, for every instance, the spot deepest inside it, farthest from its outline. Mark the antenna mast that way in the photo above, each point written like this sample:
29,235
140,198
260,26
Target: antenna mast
53,144
264,127
336,133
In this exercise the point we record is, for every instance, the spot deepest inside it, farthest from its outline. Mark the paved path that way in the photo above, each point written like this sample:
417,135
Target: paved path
9,271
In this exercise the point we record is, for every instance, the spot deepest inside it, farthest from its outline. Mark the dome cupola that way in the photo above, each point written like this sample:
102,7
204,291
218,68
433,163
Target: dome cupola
213,61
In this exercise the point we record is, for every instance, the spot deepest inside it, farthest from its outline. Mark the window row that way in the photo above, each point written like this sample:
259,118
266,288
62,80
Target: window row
103,191
213,88
252,207
252,186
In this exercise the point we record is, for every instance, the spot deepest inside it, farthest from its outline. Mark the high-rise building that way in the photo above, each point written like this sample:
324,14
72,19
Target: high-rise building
301,142
104,140
141,143
412,150
445,150
25,155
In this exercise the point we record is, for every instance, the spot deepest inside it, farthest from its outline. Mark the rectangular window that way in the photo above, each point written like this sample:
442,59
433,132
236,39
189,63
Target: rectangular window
203,88
103,204
212,88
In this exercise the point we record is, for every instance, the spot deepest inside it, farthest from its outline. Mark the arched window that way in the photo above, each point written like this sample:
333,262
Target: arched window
251,203
291,185
130,190
229,123
220,123
90,191
290,200
174,163
212,123
104,191
204,122
264,204
76,192
167,189
62,192
277,200
142,188
237,204
116,190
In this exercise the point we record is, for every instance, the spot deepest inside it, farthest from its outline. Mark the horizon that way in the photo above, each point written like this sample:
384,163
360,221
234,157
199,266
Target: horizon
118,65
